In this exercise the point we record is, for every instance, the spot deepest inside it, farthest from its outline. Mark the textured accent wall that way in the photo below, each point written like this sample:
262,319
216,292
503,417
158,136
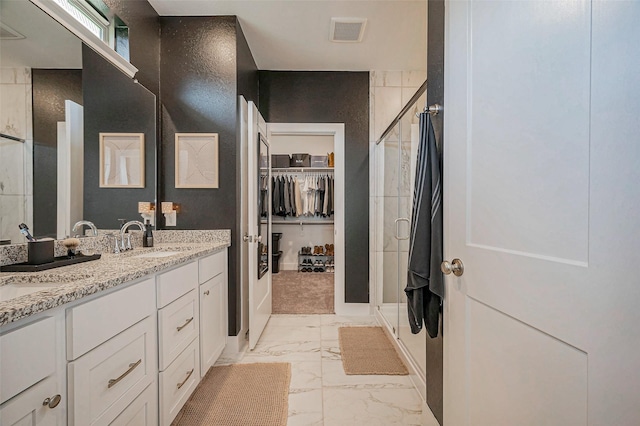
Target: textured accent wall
333,97
50,89
114,103
205,64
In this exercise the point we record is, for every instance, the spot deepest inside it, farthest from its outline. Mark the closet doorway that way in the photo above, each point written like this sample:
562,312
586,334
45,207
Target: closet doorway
308,236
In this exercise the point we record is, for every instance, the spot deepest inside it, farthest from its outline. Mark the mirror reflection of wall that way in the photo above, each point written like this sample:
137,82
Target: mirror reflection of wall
41,68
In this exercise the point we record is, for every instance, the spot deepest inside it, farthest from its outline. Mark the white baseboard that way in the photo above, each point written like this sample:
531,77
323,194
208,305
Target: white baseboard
353,309
236,344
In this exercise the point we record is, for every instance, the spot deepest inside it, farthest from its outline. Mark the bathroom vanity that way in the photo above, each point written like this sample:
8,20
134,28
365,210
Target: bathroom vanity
121,340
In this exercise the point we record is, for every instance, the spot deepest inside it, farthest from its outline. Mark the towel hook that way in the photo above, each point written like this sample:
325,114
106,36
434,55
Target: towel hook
434,109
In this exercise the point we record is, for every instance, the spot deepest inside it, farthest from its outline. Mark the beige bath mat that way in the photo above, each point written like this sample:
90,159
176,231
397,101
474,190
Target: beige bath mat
240,395
367,350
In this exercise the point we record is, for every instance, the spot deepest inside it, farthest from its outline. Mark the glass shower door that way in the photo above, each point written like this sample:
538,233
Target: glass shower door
388,184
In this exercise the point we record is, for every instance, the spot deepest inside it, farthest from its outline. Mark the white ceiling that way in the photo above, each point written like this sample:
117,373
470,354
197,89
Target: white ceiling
294,34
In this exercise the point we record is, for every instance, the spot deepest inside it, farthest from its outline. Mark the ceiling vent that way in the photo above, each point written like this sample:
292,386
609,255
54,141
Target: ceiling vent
8,33
347,30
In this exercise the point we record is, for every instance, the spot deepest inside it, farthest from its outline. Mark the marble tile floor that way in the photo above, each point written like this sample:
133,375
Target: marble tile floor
320,392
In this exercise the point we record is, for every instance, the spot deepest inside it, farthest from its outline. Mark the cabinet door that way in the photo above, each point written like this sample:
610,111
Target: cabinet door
28,408
213,321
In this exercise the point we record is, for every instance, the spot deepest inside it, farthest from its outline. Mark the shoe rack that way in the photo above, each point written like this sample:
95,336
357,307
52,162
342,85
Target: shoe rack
321,259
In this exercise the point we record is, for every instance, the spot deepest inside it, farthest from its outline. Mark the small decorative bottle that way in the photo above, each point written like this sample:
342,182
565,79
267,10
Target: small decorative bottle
147,239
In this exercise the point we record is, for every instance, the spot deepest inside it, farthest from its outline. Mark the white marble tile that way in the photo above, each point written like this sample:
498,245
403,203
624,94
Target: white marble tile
390,169
13,114
287,333
330,331
12,173
333,375
346,320
394,208
306,375
379,276
378,407
390,277
388,102
305,408
413,78
28,109
283,352
379,169
294,320
387,79
331,350
12,213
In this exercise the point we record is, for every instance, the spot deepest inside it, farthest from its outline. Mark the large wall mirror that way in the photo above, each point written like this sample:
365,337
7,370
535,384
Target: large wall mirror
56,97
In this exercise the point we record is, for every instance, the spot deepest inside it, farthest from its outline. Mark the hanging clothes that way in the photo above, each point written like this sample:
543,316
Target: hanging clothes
425,281
295,196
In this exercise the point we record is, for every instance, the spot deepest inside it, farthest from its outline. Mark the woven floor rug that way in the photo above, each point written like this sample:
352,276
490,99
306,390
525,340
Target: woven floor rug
368,351
240,395
302,292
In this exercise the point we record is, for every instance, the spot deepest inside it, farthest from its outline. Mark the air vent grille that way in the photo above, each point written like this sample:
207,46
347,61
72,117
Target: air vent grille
347,30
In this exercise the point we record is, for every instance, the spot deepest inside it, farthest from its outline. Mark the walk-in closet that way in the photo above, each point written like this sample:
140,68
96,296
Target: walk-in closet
306,211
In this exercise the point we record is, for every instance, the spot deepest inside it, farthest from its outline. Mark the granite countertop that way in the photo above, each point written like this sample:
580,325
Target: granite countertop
84,279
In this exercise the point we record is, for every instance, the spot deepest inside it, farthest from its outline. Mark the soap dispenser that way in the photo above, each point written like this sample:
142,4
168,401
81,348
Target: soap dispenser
147,240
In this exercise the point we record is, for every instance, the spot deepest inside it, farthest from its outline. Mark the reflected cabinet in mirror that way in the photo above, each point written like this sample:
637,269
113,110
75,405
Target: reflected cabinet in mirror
56,97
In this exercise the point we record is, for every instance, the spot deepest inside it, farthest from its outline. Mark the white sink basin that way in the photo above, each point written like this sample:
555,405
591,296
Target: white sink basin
12,291
158,254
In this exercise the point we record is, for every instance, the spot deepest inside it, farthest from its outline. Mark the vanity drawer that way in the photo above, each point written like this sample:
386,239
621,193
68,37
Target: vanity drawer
178,382
34,346
177,327
103,382
177,282
143,411
211,266
95,322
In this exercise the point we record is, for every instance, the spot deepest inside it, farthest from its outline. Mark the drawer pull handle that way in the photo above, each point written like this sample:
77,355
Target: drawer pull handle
53,401
132,367
186,378
206,293
185,324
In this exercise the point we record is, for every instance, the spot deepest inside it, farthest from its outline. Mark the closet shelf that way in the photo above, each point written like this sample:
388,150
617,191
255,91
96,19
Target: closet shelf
302,169
299,222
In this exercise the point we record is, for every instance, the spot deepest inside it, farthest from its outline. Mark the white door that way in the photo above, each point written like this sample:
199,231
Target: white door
259,233
70,169
542,166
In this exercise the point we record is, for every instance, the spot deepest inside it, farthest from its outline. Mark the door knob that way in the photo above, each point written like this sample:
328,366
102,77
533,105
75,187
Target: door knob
455,266
52,402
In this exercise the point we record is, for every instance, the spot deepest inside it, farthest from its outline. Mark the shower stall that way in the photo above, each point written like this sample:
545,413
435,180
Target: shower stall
395,156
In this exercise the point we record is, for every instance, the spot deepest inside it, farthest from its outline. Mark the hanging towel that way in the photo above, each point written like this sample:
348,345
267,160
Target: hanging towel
425,282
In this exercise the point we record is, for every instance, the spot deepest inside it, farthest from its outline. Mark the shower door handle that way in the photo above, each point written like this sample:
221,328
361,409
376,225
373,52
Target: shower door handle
397,221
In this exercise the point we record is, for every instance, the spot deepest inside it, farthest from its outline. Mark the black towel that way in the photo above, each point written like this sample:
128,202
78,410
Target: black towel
425,282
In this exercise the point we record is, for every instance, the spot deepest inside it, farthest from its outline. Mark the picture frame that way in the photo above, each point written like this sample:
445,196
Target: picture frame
197,160
122,160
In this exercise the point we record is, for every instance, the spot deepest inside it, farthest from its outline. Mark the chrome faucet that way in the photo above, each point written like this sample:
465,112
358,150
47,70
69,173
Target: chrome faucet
124,229
79,224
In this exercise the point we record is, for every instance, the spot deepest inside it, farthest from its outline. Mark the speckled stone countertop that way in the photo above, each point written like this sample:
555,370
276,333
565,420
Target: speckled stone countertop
83,279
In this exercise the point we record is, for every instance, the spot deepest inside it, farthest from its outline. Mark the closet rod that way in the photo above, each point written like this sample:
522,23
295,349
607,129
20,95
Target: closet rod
302,169
299,222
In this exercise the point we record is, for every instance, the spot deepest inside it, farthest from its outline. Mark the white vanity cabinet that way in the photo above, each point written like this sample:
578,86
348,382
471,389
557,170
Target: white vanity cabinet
178,330
32,390
112,349
213,308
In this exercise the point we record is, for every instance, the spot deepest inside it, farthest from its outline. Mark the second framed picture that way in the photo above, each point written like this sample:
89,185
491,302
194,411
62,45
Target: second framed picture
196,160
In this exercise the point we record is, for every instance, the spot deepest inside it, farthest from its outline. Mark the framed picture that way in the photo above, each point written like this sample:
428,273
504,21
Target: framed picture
196,160
121,160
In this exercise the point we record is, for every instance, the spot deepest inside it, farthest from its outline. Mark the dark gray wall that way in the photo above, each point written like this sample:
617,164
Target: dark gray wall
205,64
435,94
50,89
114,103
333,97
